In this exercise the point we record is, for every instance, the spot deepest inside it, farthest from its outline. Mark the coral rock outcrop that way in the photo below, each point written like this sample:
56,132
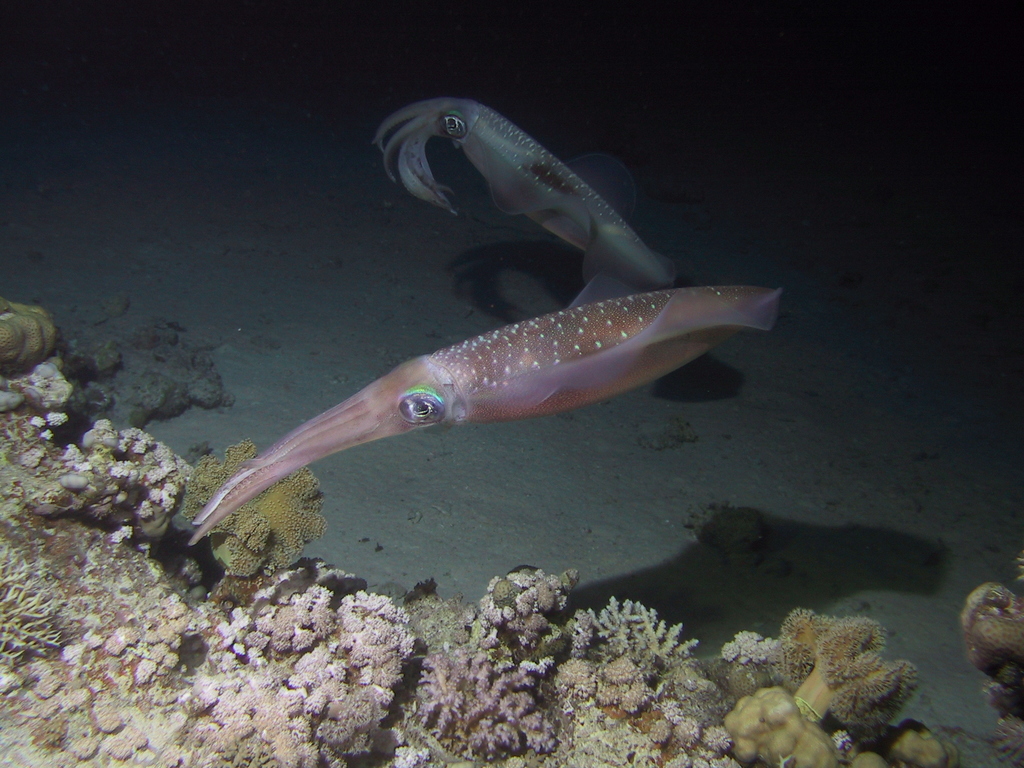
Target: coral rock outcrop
27,336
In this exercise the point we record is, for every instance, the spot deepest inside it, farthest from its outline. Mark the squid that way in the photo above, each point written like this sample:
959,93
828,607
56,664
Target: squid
581,355
524,178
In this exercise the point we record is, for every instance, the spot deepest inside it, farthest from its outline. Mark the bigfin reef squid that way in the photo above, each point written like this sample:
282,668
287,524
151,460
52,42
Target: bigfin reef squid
581,355
524,177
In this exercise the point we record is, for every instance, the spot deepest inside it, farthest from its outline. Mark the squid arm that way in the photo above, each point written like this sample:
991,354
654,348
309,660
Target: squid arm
554,363
524,178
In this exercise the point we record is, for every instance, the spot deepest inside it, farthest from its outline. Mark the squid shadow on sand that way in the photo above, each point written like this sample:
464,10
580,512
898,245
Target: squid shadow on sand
749,569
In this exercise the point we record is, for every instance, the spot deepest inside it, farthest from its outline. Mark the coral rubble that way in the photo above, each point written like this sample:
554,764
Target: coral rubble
139,372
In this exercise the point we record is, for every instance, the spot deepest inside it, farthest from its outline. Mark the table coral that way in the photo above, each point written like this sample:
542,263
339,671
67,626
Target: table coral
266,533
27,336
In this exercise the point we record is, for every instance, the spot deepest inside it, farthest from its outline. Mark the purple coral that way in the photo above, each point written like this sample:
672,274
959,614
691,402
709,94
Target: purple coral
518,611
477,709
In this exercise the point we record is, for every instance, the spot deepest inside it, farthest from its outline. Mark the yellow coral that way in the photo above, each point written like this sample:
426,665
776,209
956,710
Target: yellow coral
266,533
917,746
27,336
769,725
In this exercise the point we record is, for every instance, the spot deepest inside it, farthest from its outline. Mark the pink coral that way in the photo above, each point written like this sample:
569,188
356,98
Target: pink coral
519,609
476,709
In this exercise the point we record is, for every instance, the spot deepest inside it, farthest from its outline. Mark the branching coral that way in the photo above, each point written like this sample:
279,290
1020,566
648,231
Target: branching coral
631,629
621,684
750,648
113,477
27,336
480,709
314,668
266,533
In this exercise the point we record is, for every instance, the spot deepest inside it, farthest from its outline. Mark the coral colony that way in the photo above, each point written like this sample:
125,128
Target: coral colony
113,652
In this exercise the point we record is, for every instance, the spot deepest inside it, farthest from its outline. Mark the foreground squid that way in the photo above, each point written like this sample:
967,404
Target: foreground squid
554,363
524,178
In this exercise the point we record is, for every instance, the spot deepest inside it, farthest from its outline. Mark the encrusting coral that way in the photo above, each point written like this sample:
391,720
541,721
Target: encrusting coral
27,336
266,533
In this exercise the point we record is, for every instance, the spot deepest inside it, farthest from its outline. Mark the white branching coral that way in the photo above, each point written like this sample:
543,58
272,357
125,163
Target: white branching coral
310,677
634,630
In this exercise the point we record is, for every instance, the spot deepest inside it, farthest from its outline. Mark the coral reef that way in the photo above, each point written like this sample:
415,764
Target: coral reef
27,621
112,651
266,533
831,666
27,336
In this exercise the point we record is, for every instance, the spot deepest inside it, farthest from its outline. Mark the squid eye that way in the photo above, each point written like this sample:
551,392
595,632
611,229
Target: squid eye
421,408
454,126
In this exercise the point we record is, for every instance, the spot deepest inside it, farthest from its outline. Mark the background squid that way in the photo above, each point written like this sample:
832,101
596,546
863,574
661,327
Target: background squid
524,178
557,362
